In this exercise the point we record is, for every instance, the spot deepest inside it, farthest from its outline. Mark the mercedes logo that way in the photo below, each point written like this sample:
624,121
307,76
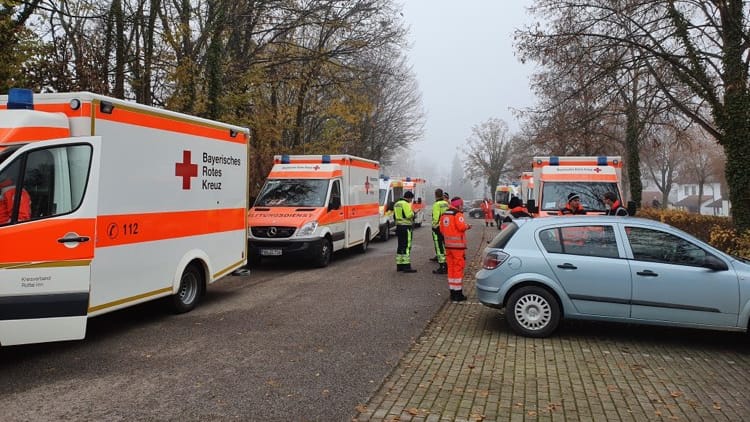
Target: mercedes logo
272,231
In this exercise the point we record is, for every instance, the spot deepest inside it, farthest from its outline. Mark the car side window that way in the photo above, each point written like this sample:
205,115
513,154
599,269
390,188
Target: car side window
657,246
581,240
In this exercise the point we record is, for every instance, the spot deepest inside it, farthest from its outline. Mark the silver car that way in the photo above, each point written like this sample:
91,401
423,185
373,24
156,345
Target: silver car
621,269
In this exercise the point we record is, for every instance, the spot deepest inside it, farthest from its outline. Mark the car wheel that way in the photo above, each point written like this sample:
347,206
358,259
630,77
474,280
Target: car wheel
366,243
386,234
533,312
324,253
189,291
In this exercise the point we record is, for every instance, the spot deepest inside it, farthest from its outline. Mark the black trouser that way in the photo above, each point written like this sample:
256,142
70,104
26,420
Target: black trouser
403,247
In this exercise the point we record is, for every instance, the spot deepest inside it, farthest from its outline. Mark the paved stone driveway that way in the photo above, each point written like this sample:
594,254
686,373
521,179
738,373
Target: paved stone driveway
468,366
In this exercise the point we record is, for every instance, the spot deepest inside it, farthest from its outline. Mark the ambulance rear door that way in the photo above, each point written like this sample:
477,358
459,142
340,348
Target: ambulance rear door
45,260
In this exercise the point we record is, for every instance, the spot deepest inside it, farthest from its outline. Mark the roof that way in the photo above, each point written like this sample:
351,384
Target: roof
692,201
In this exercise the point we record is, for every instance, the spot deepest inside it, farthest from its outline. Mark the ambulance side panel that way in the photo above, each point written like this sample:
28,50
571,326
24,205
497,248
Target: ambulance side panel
164,203
362,216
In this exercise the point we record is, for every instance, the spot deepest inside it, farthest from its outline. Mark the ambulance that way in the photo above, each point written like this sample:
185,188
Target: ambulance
590,177
527,186
313,205
503,193
119,204
385,207
417,186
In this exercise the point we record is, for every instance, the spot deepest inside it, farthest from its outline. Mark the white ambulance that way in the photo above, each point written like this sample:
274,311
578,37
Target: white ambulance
313,205
385,202
111,204
555,177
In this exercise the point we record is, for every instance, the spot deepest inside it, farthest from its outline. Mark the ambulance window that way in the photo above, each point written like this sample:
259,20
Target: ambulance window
336,191
56,178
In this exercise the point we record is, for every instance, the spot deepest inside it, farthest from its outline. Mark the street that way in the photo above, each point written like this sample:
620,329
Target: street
287,342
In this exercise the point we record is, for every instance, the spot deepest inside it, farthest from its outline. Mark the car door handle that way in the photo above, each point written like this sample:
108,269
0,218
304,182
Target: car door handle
73,239
567,266
647,273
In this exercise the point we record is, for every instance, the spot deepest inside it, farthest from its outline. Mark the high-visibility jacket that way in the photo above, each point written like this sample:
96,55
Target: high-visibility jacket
568,210
7,196
617,209
403,213
453,227
438,208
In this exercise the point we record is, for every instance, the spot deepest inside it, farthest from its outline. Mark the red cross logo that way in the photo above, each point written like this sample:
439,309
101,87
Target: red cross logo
597,170
316,167
367,185
186,170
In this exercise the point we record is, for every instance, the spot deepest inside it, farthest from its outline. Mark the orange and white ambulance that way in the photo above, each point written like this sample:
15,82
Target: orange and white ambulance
313,205
128,203
385,202
588,176
503,193
417,186
527,186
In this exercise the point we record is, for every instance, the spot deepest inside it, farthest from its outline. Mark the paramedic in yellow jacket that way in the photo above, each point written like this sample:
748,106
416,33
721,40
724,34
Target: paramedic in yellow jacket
438,209
404,216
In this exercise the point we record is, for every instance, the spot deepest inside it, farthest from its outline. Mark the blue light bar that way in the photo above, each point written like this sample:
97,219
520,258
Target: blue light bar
326,159
285,159
554,161
408,179
20,99
601,160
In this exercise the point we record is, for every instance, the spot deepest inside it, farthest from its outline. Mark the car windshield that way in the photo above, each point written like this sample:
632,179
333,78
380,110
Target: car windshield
502,197
293,193
555,194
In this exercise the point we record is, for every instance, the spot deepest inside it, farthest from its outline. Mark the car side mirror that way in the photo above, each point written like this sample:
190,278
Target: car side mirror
631,208
335,203
713,263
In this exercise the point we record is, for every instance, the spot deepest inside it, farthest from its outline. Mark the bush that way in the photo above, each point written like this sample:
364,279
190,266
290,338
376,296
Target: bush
716,231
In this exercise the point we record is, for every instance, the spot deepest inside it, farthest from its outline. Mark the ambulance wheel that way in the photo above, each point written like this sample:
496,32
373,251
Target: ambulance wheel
366,243
187,295
324,253
386,233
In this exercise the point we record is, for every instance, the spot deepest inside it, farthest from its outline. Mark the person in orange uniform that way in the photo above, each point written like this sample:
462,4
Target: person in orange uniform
487,209
8,196
574,206
453,226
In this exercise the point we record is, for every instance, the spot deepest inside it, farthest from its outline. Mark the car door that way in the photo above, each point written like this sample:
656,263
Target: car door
45,264
335,217
671,283
586,261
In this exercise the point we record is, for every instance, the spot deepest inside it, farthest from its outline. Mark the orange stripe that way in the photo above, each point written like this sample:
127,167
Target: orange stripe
343,162
28,242
305,174
579,177
359,211
32,133
114,230
594,163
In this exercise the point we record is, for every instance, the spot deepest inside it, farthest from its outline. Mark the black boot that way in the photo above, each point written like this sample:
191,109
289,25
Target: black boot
408,269
442,269
434,259
459,296
399,267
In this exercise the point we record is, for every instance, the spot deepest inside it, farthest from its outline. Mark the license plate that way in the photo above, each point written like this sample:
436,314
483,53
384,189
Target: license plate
270,252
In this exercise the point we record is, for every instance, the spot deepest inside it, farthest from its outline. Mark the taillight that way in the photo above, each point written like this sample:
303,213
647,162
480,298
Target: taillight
494,259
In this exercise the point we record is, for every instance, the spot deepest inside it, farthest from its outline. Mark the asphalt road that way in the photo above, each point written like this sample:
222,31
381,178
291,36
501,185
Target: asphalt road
287,343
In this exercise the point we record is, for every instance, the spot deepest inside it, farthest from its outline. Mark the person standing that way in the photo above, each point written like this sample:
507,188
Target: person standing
404,216
488,211
453,227
516,210
573,206
614,205
438,209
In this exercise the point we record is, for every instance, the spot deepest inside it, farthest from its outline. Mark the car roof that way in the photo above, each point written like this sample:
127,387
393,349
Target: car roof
538,222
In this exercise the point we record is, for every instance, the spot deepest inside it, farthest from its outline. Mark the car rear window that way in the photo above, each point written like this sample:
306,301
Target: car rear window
504,236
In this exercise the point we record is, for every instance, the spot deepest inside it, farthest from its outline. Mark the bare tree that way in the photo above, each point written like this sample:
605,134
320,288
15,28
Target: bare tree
488,153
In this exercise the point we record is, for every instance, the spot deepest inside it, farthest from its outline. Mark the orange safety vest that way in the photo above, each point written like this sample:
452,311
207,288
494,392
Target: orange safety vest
453,227
7,195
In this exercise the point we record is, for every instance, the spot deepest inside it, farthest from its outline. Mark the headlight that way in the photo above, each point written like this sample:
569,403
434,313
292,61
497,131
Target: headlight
308,229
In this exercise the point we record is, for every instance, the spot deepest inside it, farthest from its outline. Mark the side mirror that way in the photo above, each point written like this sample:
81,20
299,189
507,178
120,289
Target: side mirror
713,263
531,206
335,203
631,208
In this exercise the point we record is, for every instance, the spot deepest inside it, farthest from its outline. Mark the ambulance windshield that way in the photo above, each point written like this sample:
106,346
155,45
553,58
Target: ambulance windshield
293,193
555,194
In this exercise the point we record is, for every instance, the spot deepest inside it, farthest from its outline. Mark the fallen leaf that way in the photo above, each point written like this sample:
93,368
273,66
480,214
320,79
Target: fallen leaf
476,418
676,393
413,411
361,408
472,366
531,413
717,406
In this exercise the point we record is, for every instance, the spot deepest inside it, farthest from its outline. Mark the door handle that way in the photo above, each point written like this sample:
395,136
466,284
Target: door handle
75,239
647,273
567,266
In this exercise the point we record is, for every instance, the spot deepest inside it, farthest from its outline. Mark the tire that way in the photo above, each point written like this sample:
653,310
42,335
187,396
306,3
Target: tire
533,312
386,233
366,243
323,256
189,292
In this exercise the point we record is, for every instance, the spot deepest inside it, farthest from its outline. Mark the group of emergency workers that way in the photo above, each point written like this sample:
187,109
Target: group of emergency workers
448,236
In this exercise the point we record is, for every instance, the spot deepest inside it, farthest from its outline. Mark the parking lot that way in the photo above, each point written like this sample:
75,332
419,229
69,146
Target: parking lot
468,366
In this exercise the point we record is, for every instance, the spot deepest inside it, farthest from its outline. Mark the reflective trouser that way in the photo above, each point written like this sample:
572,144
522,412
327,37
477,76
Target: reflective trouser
439,243
456,259
403,248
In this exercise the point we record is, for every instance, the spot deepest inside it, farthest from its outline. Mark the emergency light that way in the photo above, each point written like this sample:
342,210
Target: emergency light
20,99
285,159
326,159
